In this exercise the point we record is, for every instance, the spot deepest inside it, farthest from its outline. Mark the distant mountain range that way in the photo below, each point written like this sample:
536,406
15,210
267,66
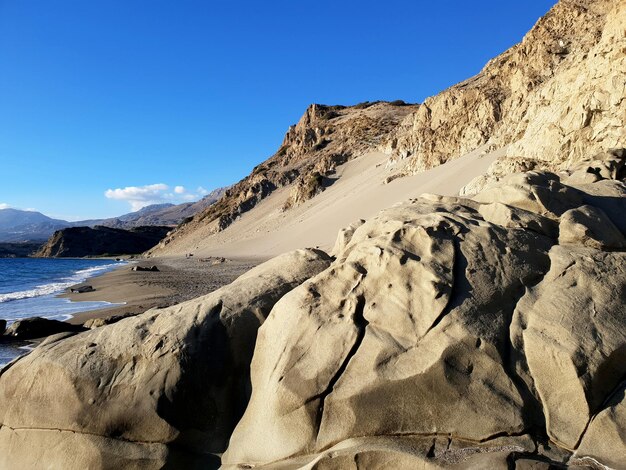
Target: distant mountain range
29,226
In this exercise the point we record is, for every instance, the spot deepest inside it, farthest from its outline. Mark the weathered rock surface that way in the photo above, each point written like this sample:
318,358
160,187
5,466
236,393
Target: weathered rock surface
589,226
605,438
392,324
149,390
571,329
449,318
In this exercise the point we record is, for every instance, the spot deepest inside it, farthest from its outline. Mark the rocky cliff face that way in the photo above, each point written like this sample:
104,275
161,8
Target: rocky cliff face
553,99
96,241
325,137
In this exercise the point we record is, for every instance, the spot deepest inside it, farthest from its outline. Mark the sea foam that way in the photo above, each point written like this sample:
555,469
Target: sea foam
59,286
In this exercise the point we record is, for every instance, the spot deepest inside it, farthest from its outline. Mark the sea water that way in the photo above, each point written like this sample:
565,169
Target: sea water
29,288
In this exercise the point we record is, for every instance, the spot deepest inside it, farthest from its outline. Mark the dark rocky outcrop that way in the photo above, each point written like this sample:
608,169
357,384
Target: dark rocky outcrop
97,241
37,327
145,268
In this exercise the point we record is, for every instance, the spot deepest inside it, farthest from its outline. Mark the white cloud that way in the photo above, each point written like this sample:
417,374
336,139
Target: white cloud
9,206
142,196
139,196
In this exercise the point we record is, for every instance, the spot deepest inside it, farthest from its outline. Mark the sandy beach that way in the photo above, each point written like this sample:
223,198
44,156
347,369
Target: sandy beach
178,279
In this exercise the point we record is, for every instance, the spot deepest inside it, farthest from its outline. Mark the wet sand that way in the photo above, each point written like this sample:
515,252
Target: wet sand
178,279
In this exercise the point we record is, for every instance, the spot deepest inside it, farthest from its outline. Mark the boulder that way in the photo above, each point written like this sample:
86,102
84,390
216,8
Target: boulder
589,226
571,330
37,327
538,192
162,388
82,289
145,268
608,196
406,334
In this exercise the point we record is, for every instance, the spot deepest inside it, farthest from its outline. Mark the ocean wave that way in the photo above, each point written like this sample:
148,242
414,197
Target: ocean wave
58,286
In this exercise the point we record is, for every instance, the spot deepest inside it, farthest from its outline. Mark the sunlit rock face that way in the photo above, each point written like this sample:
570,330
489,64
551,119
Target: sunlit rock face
553,99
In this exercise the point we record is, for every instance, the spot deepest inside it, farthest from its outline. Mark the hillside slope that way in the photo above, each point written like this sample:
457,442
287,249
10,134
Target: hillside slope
359,192
163,214
323,139
558,96
21,226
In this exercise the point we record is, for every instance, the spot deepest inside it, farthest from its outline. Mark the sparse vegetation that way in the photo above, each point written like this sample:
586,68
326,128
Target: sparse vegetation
321,145
365,104
330,115
185,221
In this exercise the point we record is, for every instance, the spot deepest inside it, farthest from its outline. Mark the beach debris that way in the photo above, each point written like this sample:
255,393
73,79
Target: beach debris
213,260
37,327
81,289
145,268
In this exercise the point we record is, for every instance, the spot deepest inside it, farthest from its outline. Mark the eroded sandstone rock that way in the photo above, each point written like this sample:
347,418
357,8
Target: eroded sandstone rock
572,330
405,334
454,319
149,390
589,226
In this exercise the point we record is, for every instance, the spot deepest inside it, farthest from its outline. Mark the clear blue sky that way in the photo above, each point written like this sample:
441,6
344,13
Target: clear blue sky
109,94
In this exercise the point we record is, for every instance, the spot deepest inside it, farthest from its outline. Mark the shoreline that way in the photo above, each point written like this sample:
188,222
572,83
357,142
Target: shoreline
133,292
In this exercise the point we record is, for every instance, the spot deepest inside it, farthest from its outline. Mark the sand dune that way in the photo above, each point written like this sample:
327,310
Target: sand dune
358,192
